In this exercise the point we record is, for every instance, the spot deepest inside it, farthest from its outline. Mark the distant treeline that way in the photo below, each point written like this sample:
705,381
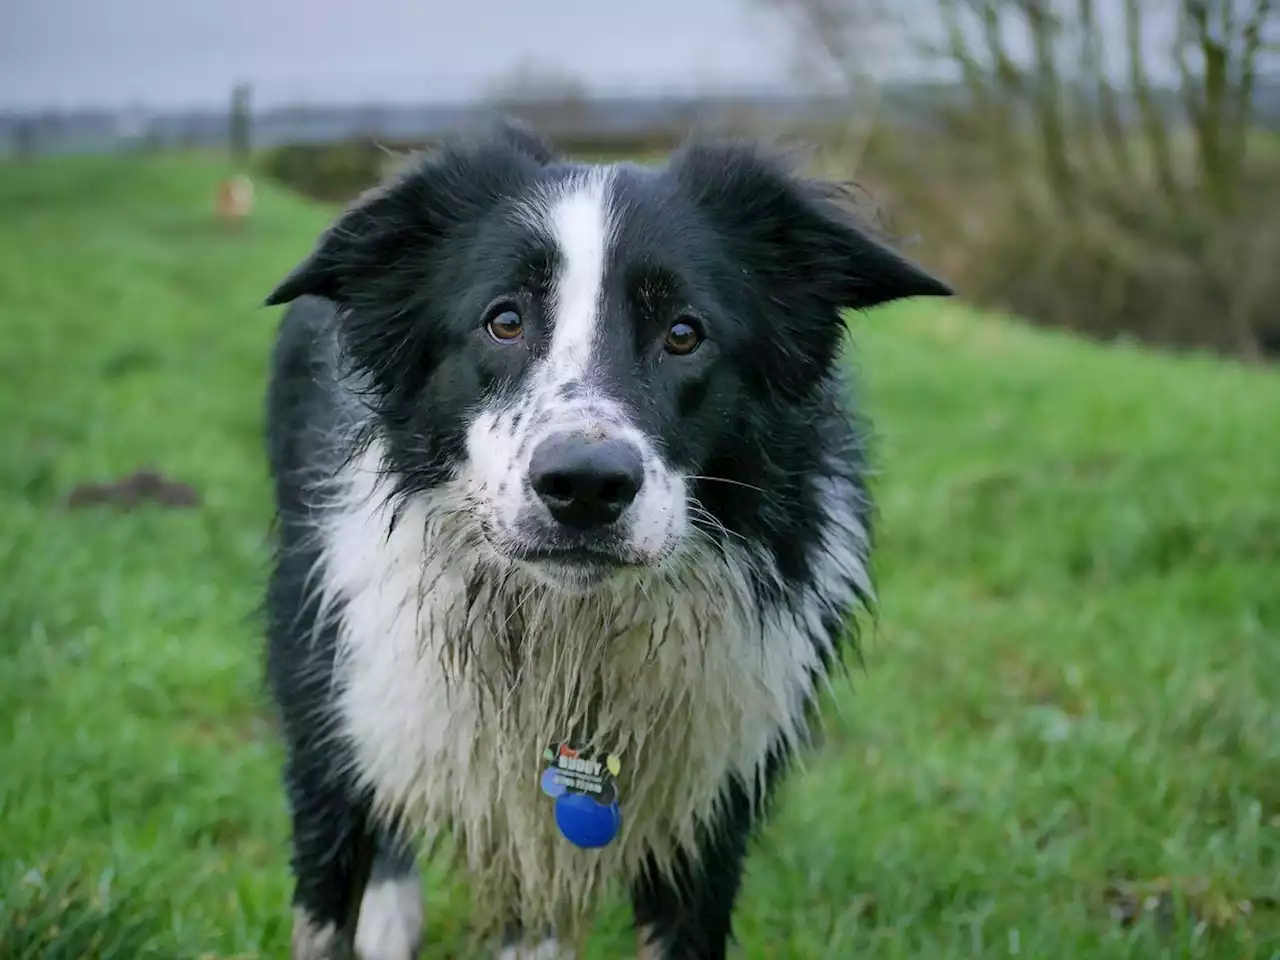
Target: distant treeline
620,120
623,121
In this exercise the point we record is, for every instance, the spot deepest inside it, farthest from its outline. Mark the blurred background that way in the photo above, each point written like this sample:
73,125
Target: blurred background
1063,738
1134,139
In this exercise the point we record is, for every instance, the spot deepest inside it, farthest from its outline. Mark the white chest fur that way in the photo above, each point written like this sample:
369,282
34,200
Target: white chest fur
687,679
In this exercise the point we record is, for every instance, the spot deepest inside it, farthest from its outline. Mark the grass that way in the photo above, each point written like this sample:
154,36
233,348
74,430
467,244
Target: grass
1065,742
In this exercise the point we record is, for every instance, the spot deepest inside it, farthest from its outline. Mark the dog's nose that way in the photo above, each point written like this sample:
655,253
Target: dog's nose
586,483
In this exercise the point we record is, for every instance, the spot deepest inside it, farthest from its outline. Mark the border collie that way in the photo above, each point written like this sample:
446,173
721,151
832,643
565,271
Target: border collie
562,455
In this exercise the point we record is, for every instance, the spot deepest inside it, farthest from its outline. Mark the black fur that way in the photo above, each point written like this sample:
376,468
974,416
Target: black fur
393,293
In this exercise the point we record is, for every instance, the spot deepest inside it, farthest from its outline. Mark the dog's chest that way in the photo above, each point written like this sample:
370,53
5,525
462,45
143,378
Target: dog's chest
686,687
439,744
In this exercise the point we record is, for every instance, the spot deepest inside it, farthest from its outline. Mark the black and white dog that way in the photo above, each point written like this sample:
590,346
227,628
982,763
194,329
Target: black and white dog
562,455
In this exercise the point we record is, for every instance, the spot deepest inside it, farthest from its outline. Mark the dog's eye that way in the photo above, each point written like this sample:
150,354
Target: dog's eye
505,325
683,338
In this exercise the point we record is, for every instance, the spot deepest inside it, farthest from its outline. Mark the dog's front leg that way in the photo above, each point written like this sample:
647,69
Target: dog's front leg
684,907
684,912
391,915
333,852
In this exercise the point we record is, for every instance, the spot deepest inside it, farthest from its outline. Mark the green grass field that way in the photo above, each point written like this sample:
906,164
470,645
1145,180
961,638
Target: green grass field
1065,741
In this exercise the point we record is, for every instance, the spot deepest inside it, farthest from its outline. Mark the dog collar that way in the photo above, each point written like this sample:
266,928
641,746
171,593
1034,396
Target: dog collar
585,790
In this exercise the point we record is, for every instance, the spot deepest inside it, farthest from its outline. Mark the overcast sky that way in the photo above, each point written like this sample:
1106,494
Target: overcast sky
179,53
66,53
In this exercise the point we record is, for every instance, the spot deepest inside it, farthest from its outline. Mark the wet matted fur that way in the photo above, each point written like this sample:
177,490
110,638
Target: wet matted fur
440,610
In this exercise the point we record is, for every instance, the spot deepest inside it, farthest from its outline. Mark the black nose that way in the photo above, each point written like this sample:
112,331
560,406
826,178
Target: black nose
586,483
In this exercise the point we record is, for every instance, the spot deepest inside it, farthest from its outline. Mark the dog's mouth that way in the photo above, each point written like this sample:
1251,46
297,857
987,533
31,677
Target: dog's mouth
574,566
566,558
576,557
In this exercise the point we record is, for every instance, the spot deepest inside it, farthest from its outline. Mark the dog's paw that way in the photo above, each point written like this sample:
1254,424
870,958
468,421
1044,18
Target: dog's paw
546,950
313,940
391,920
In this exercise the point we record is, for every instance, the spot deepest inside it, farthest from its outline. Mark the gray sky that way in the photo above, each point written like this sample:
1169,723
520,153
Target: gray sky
179,53
68,53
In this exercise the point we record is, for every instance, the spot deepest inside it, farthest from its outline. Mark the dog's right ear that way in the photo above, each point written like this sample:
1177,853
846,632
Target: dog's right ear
363,237
391,225
309,277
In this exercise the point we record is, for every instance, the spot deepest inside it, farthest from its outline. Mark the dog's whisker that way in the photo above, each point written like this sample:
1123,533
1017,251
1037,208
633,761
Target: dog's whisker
735,483
703,519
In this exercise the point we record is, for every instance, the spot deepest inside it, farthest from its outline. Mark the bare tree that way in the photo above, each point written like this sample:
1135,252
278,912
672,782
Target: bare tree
1218,96
1081,109
849,44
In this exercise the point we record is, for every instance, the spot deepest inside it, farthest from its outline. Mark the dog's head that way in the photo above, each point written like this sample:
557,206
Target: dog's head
579,351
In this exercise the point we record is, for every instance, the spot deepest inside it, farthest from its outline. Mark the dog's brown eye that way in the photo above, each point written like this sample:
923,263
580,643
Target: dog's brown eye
682,339
505,326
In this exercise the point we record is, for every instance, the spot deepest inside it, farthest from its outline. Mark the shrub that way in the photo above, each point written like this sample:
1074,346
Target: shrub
330,172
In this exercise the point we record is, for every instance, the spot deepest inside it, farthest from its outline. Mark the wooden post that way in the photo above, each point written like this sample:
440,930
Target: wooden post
241,125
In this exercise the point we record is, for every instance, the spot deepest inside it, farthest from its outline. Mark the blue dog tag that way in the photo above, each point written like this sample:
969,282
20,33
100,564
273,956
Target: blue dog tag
586,795
586,823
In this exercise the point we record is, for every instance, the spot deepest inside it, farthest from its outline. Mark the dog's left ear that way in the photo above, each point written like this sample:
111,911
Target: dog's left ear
795,231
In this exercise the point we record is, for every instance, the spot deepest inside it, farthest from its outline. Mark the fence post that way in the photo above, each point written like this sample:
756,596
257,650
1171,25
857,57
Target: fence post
241,124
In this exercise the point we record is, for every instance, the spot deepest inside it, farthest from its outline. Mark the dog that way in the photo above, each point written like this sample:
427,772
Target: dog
562,454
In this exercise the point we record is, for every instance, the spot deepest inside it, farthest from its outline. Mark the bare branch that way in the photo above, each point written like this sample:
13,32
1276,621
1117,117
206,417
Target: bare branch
1153,123
1107,107
851,35
1242,112
1044,27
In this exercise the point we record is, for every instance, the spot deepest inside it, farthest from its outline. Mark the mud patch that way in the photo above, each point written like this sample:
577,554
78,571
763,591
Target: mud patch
127,493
